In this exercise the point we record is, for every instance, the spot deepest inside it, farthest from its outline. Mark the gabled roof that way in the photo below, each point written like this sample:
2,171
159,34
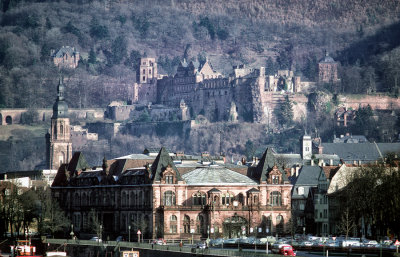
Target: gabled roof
253,190
65,50
214,190
267,162
78,162
365,152
162,161
61,177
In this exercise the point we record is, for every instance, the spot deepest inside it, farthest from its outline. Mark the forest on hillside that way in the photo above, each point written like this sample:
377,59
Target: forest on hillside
112,35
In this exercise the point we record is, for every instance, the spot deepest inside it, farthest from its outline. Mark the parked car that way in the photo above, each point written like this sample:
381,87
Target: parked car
201,245
287,250
95,238
217,241
159,241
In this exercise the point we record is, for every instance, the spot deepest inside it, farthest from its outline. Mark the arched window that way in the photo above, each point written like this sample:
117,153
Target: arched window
255,199
240,198
216,200
227,198
199,199
84,199
279,224
172,224
186,224
77,200
169,198
276,198
200,224
61,129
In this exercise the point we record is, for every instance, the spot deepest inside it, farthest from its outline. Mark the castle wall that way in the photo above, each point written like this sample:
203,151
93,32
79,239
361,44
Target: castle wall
45,114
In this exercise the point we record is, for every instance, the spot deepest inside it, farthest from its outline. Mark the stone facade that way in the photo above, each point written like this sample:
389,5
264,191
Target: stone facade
175,201
59,144
145,90
327,70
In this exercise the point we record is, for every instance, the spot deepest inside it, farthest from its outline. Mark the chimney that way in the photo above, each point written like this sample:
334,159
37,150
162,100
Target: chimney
292,172
331,162
297,170
312,162
320,149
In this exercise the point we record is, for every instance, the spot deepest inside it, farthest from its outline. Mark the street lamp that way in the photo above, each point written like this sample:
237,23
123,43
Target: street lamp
101,233
129,236
72,231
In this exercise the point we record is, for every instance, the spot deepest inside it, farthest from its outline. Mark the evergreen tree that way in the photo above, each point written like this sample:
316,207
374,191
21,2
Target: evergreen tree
270,67
284,112
92,56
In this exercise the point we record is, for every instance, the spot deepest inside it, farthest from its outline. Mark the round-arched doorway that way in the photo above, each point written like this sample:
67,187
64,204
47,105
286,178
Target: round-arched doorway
234,226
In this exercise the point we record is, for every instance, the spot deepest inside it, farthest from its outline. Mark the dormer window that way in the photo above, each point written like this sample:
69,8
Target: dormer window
275,179
169,179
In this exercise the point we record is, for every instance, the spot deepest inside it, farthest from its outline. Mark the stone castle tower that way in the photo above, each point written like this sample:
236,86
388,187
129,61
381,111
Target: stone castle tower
59,144
145,88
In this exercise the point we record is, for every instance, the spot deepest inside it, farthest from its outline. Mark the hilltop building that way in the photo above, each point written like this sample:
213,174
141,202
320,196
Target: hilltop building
59,143
65,57
175,197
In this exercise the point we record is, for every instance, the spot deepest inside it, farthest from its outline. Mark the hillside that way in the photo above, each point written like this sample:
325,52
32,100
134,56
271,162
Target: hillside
276,34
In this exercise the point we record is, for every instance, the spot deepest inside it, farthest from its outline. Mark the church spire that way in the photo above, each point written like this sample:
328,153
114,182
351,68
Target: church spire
60,107
60,90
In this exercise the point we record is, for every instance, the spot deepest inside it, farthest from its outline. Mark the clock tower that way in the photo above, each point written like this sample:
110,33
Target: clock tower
59,144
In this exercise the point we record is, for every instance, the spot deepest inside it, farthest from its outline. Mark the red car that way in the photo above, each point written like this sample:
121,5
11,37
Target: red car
287,250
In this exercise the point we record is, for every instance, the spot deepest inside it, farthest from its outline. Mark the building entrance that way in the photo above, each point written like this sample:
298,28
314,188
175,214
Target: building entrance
234,226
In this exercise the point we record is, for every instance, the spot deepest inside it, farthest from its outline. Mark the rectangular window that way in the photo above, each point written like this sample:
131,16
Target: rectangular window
172,229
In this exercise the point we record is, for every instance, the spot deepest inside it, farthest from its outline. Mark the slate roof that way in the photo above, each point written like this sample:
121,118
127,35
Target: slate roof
216,175
327,59
78,162
365,152
162,161
389,147
308,175
61,177
265,165
289,159
65,50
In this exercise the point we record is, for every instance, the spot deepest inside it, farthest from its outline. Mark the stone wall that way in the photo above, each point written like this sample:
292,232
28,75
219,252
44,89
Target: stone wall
13,116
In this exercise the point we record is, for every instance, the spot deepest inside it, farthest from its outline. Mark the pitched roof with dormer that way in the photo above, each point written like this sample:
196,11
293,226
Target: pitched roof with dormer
162,161
265,165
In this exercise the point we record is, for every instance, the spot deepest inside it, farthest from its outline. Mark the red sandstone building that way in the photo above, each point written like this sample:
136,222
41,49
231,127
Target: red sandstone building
173,199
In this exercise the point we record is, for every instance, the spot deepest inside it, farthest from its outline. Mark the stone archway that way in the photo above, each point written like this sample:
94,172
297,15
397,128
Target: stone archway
8,120
233,226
